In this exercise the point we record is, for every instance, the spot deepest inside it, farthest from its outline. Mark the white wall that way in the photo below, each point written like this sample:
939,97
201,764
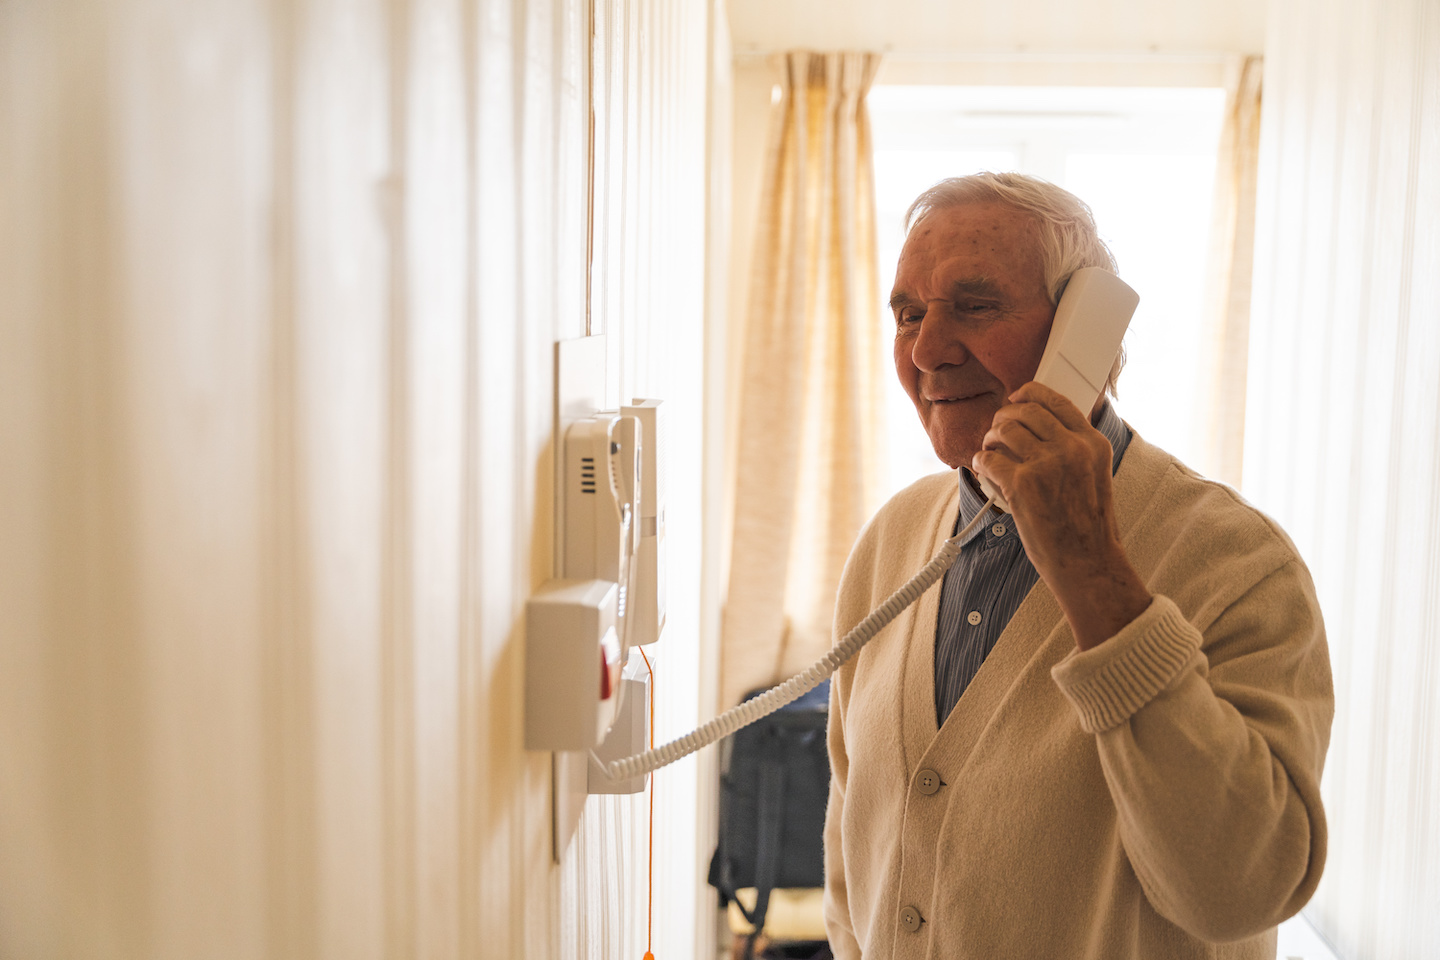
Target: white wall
279,287
1343,429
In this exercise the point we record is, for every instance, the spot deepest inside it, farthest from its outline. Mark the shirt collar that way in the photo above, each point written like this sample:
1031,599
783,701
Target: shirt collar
1110,426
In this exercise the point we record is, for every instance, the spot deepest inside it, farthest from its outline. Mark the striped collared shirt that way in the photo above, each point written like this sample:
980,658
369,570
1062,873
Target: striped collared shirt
984,588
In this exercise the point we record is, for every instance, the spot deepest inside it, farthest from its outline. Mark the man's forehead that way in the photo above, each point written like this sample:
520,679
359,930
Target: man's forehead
968,243
975,222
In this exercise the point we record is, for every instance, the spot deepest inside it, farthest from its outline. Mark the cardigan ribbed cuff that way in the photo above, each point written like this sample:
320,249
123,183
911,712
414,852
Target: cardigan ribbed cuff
1109,683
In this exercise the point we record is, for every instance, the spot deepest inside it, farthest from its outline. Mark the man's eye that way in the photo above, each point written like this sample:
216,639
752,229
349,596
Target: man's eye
906,319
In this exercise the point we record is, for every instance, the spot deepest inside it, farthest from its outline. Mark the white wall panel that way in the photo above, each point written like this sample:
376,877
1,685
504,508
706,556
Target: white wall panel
279,289
1343,431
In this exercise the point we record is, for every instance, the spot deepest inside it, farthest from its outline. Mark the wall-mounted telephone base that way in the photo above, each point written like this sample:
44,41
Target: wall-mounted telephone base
609,531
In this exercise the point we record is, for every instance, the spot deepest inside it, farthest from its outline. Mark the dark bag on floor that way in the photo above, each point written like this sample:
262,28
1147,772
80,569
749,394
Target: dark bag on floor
774,782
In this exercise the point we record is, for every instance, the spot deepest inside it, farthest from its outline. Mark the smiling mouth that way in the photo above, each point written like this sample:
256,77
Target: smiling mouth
948,400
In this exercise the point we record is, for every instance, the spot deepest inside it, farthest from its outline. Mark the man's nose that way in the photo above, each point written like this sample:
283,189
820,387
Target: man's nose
939,343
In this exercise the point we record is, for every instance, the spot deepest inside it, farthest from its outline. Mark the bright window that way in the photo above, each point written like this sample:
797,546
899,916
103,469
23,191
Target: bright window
1143,158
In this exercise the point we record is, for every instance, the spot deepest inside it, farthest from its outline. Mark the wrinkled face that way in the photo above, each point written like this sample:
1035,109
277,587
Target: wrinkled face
971,320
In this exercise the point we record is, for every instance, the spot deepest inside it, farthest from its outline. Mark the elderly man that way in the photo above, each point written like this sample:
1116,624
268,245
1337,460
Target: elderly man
1102,737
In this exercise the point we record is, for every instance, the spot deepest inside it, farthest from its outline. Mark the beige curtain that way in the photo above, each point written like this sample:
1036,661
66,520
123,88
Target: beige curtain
808,374
1232,256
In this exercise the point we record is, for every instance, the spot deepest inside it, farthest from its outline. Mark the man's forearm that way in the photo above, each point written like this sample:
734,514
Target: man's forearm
1099,596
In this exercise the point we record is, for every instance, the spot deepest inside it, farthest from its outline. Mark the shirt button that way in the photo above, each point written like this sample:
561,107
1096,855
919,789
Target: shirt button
927,781
974,617
998,529
910,919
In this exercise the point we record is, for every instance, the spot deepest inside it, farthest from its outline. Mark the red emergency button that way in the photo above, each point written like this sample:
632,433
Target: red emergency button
609,664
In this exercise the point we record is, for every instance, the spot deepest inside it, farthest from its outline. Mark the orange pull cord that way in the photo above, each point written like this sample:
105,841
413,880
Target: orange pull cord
650,876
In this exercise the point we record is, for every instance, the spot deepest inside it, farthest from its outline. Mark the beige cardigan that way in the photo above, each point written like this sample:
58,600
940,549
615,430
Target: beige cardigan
1149,798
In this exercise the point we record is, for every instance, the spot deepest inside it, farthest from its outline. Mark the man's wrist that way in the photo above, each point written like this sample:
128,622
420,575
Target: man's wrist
1102,599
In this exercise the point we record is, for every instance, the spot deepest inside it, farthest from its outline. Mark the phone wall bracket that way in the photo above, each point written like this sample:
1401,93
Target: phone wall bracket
580,390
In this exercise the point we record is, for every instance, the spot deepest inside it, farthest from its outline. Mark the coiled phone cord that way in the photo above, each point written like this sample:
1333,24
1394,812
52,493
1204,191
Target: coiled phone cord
797,686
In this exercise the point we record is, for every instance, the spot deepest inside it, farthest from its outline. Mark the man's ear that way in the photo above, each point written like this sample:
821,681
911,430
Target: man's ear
1113,379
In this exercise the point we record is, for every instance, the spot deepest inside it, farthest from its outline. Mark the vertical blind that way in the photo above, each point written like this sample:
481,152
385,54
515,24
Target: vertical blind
1343,429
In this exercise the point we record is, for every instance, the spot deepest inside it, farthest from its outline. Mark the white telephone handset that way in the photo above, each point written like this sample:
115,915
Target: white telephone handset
1090,321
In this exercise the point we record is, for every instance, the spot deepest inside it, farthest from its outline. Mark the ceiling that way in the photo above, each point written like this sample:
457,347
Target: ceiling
936,28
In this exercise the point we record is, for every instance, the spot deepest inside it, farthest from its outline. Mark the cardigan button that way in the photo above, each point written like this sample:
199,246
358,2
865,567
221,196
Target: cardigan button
910,919
927,781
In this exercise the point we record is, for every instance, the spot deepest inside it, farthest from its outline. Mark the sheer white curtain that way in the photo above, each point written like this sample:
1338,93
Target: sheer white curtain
1231,263
808,374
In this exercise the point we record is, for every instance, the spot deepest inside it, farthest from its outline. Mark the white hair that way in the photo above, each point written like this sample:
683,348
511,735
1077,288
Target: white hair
1065,227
